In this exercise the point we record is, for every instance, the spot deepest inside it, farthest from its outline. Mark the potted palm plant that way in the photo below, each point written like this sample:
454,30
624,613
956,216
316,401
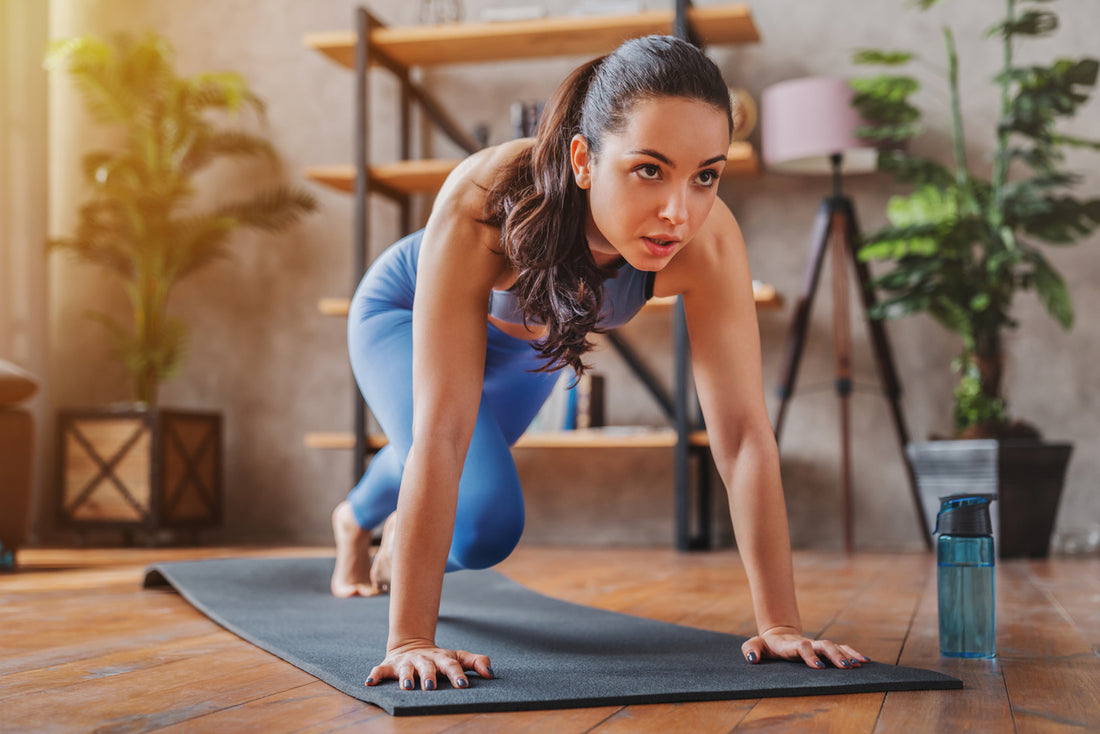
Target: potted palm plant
962,243
145,466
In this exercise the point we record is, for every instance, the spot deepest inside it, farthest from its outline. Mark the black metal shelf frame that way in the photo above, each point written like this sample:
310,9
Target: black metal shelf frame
675,406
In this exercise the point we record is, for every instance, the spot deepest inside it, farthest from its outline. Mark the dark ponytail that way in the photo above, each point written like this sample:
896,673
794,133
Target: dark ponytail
542,212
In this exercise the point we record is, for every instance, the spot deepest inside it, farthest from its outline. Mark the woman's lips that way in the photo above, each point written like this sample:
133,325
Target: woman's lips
660,246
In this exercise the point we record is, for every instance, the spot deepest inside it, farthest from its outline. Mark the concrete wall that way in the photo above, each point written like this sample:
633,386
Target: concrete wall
277,369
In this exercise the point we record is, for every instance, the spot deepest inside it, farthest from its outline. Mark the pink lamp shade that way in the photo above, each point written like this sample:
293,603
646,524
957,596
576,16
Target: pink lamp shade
805,121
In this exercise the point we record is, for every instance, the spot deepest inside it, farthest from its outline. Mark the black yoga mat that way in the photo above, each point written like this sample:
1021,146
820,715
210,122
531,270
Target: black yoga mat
545,653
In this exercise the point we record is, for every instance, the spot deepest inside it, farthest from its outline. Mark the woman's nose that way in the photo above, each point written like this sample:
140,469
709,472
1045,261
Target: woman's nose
674,208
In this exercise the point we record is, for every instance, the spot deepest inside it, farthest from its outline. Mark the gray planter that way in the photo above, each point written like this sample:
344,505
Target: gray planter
1027,477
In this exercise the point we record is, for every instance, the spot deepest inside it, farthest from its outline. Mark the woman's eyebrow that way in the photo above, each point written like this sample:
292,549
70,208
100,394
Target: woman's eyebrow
664,159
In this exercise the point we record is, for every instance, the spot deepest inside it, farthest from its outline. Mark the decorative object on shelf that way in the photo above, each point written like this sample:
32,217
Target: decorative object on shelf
509,13
141,223
809,128
962,245
584,407
525,118
16,460
744,114
438,12
608,7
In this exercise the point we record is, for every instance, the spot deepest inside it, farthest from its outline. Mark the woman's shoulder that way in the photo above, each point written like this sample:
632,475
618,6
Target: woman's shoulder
457,226
468,183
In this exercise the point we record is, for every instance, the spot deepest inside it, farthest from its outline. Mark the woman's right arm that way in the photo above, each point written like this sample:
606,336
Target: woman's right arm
459,263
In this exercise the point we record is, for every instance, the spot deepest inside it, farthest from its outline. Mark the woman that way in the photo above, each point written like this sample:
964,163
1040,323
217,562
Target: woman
532,246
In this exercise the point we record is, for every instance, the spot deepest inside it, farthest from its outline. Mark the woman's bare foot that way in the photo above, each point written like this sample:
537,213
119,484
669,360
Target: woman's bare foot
380,571
352,576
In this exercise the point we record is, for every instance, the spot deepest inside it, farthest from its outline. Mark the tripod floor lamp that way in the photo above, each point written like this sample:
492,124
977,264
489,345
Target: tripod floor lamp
808,128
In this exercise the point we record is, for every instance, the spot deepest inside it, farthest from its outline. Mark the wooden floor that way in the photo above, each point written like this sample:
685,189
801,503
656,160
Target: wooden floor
83,648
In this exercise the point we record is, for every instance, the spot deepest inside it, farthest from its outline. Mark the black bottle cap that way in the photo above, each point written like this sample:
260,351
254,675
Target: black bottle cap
965,514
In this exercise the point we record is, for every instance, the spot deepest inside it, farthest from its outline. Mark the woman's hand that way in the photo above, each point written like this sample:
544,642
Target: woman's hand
788,643
422,659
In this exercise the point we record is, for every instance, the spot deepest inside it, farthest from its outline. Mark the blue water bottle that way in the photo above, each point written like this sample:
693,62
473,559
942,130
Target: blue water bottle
965,553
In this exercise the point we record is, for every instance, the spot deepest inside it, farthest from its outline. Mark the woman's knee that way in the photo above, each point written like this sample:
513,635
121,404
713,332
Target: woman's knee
487,540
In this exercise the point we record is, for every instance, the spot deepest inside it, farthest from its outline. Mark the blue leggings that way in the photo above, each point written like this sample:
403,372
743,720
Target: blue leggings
489,518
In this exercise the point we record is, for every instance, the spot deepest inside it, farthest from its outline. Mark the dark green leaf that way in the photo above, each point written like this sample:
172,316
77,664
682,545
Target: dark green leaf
877,56
1030,23
915,169
1052,291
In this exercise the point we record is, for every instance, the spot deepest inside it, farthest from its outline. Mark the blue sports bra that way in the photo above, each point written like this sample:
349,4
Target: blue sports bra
624,295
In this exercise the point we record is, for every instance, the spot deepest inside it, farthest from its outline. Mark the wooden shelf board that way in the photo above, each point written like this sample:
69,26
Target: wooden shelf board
765,295
455,43
426,176
593,438
408,177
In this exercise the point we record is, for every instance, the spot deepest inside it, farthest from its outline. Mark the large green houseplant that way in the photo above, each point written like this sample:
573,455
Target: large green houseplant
967,238
140,221
145,467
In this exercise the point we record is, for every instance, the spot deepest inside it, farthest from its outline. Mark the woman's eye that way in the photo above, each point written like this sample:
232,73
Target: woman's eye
649,172
708,178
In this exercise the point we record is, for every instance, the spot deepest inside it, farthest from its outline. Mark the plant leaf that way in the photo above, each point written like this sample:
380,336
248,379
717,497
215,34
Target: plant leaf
1052,291
879,56
1029,23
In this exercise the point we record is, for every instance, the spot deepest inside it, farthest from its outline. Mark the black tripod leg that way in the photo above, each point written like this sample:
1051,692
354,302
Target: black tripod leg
884,358
797,337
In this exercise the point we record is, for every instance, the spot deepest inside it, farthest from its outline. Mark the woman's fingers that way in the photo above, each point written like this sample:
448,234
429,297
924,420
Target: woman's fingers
427,665
380,673
477,663
753,650
805,650
833,652
792,646
455,673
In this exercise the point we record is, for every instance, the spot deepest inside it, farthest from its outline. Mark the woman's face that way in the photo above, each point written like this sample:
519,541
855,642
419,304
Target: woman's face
654,183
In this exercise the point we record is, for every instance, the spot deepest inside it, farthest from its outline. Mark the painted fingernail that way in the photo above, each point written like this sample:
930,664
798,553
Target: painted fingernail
429,685
491,673
853,661
407,684
819,664
752,657
844,664
370,681
463,683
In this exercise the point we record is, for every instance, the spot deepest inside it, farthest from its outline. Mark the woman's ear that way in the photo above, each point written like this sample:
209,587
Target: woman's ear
579,158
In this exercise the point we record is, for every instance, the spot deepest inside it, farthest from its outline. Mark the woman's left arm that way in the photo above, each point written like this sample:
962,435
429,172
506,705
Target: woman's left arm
713,277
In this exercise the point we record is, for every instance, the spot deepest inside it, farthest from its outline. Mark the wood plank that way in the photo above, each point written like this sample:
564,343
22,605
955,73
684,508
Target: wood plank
1053,678
456,43
1073,585
407,177
314,707
156,696
984,698
563,721
705,717
426,176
